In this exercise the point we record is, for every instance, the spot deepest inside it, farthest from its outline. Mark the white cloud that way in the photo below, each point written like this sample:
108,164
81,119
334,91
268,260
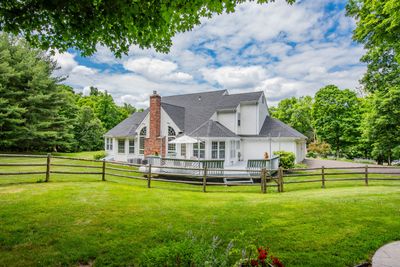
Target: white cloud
286,50
156,69
65,61
235,77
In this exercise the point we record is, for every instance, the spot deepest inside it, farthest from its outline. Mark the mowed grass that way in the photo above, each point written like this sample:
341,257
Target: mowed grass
77,219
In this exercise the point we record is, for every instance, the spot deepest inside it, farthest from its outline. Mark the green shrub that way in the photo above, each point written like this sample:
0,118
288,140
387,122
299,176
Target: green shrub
311,154
323,149
100,155
286,160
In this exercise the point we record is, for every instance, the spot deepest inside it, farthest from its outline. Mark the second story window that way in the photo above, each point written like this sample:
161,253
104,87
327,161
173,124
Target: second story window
238,119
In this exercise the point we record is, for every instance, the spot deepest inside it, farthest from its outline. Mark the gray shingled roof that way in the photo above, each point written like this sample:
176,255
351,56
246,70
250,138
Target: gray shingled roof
192,113
212,128
128,126
199,107
275,128
232,101
176,113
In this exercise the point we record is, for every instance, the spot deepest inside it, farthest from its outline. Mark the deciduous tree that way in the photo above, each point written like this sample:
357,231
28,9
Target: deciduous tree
336,117
116,24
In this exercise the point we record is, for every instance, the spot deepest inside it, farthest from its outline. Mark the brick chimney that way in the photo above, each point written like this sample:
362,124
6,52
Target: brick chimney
155,144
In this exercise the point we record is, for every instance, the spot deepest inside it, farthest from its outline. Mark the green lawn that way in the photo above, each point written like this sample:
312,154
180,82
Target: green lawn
77,219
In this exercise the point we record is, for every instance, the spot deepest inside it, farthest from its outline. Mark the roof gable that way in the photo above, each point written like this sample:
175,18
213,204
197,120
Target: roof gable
212,128
275,128
128,126
176,113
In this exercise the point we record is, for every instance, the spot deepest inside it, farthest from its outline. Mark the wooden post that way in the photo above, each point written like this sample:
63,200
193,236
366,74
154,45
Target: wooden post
323,176
261,180
149,177
103,175
48,167
366,174
264,181
205,179
280,179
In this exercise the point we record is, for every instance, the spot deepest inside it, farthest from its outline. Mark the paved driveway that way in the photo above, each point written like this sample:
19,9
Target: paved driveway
318,163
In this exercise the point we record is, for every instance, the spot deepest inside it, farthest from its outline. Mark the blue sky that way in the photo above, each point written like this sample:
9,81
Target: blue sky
284,50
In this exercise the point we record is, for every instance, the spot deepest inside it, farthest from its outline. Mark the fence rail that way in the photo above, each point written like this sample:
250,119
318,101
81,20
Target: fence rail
205,176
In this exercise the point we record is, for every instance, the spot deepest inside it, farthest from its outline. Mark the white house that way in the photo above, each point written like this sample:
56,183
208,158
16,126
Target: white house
233,127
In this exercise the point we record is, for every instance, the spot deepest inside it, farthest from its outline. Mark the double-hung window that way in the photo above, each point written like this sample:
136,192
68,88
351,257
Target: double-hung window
121,146
199,151
183,150
142,136
171,136
109,144
132,146
218,150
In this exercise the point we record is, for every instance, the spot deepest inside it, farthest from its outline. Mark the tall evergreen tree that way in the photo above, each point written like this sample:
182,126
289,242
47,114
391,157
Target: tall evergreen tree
30,99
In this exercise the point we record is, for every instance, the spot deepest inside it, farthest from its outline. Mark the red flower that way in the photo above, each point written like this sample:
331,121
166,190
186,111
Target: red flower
276,262
262,254
254,263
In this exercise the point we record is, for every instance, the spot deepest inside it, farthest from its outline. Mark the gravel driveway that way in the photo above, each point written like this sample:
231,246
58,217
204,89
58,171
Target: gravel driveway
318,163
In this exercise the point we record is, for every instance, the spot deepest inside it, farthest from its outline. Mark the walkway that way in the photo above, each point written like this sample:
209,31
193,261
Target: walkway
387,256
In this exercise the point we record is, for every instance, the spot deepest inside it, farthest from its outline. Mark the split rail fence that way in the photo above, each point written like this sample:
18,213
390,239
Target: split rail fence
204,177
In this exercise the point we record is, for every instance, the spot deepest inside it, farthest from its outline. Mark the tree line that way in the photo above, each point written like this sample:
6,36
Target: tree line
341,121
37,113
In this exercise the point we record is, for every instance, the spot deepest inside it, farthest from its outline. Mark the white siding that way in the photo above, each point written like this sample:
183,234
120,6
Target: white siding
228,119
262,112
254,148
249,119
167,121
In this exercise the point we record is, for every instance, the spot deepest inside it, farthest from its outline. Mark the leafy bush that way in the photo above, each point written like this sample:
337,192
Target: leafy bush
100,155
286,160
321,148
311,154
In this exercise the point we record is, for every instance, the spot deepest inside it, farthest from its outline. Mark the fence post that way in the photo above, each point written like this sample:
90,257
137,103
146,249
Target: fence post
323,176
264,181
103,175
205,179
366,174
149,177
280,179
48,167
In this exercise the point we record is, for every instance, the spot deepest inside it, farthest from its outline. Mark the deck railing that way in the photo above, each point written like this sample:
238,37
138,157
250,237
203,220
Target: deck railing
187,166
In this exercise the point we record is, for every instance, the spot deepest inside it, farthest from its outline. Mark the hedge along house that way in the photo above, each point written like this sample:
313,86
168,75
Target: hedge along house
232,127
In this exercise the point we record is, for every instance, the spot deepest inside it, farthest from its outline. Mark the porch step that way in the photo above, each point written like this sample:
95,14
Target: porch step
228,181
